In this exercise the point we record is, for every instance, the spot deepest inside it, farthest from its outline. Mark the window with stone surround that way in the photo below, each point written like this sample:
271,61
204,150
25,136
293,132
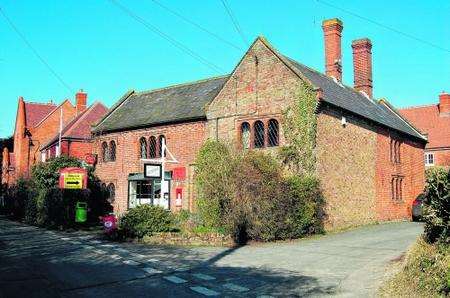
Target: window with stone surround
105,152
395,149
245,135
273,133
111,191
152,147
259,134
112,151
143,148
161,138
397,188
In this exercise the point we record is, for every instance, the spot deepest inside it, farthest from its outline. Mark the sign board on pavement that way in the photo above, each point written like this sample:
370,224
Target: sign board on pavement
73,178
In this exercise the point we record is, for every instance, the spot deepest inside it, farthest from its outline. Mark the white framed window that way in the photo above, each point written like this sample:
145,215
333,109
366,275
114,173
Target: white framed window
43,156
429,159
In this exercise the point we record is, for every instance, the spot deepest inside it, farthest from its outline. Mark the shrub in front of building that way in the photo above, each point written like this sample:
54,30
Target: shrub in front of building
250,195
145,220
437,205
39,201
18,200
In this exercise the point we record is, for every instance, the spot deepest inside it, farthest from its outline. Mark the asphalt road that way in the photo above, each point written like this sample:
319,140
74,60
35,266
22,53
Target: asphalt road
39,263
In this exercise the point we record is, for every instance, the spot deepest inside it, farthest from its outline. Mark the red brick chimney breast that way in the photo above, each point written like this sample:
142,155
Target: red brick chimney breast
444,103
362,65
332,29
81,101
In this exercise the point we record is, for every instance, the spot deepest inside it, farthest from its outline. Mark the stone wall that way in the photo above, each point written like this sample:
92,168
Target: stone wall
261,88
346,157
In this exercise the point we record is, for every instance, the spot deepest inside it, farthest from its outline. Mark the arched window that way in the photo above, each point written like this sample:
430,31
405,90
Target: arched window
245,135
112,151
161,139
259,134
111,192
152,147
143,147
273,133
104,151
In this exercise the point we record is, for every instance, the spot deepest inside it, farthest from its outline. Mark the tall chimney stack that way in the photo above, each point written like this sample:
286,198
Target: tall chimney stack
444,103
332,29
362,65
81,101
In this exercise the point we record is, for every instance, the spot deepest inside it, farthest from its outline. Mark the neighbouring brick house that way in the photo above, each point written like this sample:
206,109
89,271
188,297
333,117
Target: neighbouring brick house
368,158
434,121
36,125
76,138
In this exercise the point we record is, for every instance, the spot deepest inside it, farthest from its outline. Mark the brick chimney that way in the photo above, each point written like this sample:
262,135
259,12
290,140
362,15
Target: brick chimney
444,103
362,65
332,29
81,101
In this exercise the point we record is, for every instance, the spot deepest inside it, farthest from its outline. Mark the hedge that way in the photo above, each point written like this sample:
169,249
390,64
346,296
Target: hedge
249,195
437,205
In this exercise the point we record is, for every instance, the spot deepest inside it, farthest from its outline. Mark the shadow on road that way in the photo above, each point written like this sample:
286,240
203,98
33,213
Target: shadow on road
36,264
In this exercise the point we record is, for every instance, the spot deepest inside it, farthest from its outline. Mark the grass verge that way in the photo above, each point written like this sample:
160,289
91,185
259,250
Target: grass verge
425,272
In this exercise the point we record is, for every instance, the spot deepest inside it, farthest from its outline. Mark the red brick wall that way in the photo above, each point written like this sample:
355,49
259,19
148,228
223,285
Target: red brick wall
411,168
77,149
183,140
441,157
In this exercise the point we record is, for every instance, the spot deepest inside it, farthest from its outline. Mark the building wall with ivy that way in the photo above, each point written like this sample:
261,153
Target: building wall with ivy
261,87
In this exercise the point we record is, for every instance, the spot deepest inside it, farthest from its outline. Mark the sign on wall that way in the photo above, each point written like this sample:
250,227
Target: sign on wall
73,178
152,170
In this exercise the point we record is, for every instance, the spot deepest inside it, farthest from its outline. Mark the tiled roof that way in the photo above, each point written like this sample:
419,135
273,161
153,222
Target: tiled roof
35,112
79,128
353,101
187,101
177,103
428,120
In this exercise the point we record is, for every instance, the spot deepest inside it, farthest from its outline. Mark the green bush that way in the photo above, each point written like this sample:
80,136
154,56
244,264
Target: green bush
425,273
437,205
39,200
252,198
144,220
46,174
213,178
16,198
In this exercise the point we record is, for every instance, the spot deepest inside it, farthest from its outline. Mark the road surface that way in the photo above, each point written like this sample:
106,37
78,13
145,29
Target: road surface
36,262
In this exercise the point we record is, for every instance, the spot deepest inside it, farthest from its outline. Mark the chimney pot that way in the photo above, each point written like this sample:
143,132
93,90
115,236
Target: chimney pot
362,65
81,101
444,103
332,29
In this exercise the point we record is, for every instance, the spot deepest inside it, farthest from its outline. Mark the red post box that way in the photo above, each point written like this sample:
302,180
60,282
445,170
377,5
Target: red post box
178,196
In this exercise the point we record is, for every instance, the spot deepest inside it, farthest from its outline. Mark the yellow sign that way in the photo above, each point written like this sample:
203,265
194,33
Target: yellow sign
73,180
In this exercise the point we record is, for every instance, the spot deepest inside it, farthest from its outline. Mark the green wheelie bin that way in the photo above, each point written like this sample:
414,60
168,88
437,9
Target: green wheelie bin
81,212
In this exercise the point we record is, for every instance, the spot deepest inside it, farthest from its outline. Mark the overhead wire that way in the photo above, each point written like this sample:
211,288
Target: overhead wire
235,22
35,52
390,28
195,24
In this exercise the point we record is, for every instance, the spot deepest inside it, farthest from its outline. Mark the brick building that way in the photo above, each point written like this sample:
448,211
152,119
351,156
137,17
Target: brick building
76,138
434,121
36,125
368,158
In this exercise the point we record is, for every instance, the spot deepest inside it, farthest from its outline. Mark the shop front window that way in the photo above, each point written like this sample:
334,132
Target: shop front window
148,192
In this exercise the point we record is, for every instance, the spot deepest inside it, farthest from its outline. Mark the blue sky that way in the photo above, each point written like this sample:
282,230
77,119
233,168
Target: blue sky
94,45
